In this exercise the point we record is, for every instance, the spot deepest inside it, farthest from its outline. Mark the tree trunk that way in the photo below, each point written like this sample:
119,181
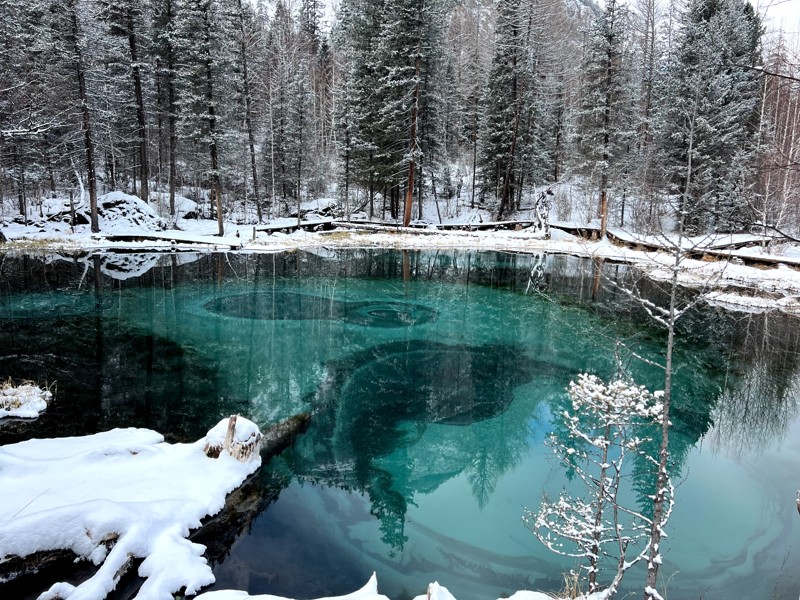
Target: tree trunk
144,166
248,111
509,173
91,177
414,113
474,150
659,498
300,157
603,213
372,191
216,187
23,208
173,135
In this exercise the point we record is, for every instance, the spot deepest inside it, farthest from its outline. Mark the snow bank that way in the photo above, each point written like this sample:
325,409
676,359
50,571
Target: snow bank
118,211
322,206
185,208
26,401
370,592
119,495
752,304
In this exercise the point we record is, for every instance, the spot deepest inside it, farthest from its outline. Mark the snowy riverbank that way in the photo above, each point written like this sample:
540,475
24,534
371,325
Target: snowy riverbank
122,495
24,401
131,227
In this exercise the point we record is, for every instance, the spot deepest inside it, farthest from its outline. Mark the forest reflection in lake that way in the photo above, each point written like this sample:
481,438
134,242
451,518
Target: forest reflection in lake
431,377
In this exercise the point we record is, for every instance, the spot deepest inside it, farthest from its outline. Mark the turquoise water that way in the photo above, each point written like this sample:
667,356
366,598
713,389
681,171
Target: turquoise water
432,379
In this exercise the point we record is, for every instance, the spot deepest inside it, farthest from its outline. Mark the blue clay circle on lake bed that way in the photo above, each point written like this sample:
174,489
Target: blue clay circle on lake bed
293,306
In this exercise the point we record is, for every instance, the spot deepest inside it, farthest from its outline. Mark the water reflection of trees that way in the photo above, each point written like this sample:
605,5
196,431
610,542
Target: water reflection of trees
762,394
108,377
737,373
400,419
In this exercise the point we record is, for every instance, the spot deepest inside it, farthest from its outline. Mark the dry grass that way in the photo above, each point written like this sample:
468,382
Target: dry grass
572,585
337,235
14,395
38,245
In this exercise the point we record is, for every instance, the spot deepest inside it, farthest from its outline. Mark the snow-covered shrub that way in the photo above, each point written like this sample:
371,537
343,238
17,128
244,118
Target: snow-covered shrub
25,401
594,436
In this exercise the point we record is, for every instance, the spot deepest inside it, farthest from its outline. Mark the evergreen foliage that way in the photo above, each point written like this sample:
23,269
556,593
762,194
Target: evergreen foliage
606,118
246,104
712,89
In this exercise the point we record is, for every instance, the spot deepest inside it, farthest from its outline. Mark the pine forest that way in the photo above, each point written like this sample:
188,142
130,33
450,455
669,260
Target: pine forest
405,109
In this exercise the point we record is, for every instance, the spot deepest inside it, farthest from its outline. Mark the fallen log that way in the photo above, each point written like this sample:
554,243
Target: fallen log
30,575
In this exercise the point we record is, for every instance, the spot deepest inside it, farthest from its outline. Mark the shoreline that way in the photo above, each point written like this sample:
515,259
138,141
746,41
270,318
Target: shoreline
729,281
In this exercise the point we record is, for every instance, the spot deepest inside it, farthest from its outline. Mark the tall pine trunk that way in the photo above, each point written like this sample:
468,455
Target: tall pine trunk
144,165
80,72
414,114
216,187
412,150
248,122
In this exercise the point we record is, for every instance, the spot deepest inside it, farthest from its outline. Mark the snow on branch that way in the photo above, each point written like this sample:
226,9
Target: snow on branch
593,437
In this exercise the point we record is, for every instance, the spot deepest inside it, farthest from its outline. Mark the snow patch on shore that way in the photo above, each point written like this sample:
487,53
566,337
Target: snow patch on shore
116,496
370,592
25,401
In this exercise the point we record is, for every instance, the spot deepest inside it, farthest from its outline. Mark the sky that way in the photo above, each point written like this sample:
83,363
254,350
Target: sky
780,13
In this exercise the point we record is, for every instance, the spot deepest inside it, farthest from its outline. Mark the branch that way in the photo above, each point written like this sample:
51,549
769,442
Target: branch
781,233
765,72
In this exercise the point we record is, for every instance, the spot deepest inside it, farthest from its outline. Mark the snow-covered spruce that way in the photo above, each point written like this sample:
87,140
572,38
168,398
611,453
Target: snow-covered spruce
24,401
118,495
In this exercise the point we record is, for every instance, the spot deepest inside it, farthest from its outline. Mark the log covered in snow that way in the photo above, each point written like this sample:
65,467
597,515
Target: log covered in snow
124,497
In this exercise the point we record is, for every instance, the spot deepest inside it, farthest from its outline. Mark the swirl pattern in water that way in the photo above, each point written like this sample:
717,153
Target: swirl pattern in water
294,306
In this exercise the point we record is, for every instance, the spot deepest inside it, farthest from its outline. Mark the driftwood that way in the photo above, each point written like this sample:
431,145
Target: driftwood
282,435
241,450
28,576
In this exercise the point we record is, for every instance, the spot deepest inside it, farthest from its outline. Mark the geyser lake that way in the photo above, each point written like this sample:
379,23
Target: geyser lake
432,378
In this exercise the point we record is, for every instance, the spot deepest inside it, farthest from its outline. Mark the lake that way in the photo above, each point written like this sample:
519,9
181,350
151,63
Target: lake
432,378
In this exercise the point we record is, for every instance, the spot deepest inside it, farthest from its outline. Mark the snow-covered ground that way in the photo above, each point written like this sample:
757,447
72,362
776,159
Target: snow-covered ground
370,592
120,495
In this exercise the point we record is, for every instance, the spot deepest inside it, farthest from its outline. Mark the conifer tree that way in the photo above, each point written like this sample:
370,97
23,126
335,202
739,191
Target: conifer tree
709,73
164,24
521,103
64,47
124,21
605,121
24,117
357,37
502,106
243,18
289,99
200,41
